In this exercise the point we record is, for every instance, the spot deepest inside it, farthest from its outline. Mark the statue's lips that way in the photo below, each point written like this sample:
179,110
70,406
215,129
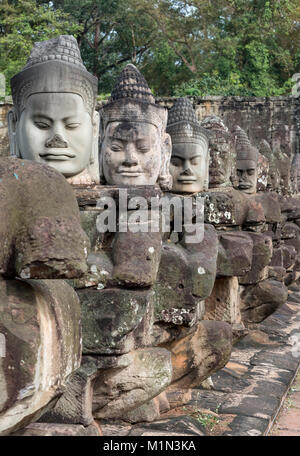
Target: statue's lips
57,154
130,173
245,186
186,180
216,173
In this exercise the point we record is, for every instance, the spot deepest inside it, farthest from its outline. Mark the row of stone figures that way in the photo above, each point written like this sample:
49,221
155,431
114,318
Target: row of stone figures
107,325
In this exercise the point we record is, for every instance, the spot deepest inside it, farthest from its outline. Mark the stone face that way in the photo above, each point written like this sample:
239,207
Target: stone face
221,151
39,320
262,173
197,356
234,254
189,161
262,254
51,243
260,300
246,162
114,320
120,391
54,86
132,118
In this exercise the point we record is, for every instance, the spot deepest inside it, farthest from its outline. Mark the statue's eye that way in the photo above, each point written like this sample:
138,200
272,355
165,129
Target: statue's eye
250,172
176,161
116,147
195,161
144,148
42,125
72,126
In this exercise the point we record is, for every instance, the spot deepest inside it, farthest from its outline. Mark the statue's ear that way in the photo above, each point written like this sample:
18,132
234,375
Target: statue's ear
12,121
95,148
165,178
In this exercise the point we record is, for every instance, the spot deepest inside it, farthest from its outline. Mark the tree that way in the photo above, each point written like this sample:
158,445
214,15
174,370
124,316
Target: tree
244,43
111,35
23,22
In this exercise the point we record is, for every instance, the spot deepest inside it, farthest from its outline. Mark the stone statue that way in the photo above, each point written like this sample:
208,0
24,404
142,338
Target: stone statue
262,172
190,158
54,119
283,164
221,151
135,148
273,175
246,162
40,238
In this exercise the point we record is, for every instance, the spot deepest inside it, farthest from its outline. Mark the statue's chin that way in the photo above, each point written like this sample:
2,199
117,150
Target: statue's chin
187,188
65,167
131,180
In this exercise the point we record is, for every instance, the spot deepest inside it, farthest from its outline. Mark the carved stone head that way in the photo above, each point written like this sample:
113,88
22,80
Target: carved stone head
262,173
221,152
246,162
190,156
135,148
54,119
273,174
283,164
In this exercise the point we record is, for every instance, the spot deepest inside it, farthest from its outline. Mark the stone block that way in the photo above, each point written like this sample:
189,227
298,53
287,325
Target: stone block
136,258
262,254
115,320
234,254
197,356
261,300
119,391
224,302
39,321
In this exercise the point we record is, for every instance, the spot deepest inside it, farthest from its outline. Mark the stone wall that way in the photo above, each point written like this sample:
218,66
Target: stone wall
274,119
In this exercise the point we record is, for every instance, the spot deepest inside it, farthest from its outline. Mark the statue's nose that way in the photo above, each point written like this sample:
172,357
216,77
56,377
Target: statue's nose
56,142
130,156
187,172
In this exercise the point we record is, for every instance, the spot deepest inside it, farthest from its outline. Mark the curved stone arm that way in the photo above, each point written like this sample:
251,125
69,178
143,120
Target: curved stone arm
40,232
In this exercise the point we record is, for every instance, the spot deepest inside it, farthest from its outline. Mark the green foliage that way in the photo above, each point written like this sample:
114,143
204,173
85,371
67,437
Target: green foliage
183,47
23,22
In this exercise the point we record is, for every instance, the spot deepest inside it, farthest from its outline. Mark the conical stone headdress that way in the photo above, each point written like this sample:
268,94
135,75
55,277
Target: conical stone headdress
132,100
183,125
244,149
54,66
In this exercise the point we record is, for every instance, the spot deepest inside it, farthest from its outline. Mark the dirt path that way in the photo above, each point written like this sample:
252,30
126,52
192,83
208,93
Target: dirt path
288,420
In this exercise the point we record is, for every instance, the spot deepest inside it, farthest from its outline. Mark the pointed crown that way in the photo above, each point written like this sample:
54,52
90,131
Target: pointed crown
132,100
54,66
183,125
244,149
